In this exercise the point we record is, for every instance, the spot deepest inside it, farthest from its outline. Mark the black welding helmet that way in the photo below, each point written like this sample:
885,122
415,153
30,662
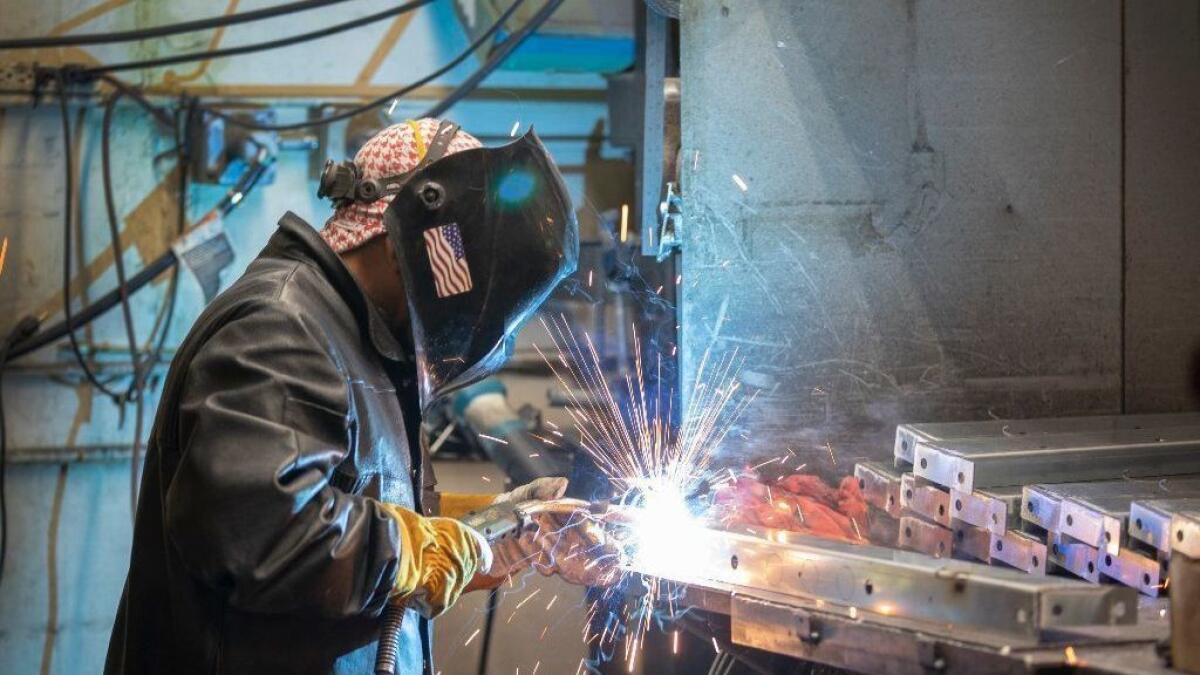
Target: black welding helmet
482,237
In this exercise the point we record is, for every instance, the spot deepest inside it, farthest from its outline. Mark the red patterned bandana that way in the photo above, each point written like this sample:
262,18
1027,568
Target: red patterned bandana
397,149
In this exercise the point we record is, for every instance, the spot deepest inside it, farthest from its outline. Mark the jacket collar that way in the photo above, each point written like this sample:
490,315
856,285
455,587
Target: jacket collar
297,240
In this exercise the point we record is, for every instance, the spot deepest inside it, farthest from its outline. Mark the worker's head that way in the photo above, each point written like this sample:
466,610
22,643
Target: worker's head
395,151
477,239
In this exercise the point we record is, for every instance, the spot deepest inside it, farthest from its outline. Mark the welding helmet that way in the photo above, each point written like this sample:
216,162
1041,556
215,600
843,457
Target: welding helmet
481,237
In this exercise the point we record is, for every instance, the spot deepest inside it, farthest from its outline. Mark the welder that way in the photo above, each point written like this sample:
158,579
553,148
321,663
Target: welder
287,497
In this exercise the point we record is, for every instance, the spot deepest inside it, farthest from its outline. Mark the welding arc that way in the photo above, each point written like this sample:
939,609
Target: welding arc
168,29
518,37
258,46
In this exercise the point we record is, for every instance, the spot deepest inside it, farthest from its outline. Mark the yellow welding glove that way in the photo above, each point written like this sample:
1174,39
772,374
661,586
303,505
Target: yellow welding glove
438,558
458,504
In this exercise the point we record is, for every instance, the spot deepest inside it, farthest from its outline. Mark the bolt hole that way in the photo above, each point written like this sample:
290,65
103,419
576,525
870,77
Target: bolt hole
1056,610
724,11
904,445
941,547
733,562
908,494
1179,535
1107,560
1031,506
1054,548
958,505
891,500
924,463
908,533
1146,578
1035,561
959,535
869,587
999,545
941,510
1138,524
995,519
1070,520
961,477
1091,568
862,484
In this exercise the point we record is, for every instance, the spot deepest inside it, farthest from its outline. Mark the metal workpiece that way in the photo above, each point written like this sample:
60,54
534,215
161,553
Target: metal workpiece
1146,574
880,486
917,534
994,510
1074,557
1150,520
1185,533
1039,505
927,501
975,464
908,435
1096,513
1019,550
971,542
874,583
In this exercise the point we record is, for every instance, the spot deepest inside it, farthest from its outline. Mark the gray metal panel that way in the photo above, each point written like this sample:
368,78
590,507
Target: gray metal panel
930,221
1162,143
1077,558
992,462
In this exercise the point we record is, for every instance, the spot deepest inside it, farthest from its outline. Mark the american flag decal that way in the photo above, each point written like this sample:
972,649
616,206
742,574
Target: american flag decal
448,260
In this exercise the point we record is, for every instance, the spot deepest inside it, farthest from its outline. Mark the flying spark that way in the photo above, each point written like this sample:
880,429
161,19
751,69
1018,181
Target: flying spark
392,107
472,637
515,128
737,180
624,222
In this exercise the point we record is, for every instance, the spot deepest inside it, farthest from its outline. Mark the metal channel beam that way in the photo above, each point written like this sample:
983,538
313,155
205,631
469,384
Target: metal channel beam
920,535
994,510
1185,537
1019,550
880,486
928,501
1145,574
1096,512
877,583
1150,520
996,462
908,435
972,542
1077,558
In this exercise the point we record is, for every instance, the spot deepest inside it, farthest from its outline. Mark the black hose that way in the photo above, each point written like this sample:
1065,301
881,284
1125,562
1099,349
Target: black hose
258,46
160,31
385,99
388,651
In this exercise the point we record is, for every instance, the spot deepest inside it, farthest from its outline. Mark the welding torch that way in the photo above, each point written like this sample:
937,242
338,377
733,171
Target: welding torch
498,522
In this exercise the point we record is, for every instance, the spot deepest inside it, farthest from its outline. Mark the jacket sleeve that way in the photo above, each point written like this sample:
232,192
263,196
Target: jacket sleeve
263,422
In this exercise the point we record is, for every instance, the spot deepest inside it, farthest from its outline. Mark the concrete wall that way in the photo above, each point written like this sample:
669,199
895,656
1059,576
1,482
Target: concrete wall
70,522
952,210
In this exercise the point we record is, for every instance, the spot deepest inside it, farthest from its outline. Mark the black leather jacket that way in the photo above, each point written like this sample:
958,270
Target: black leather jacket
259,546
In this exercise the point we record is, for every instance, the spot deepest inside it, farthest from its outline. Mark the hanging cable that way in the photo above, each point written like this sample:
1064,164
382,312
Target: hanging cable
68,185
386,98
166,261
498,57
161,31
114,235
258,46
